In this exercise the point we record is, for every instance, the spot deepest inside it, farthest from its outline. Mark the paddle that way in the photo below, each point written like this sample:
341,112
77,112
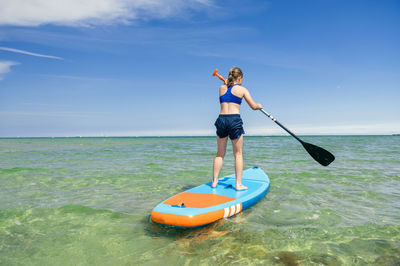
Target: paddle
319,154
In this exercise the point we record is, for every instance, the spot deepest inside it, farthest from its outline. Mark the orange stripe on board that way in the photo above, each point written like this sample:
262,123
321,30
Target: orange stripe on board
197,200
186,220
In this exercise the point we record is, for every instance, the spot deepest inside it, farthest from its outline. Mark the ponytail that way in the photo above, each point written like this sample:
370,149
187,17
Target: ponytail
234,74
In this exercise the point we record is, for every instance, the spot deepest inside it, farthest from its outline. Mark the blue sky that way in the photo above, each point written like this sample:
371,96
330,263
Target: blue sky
134,67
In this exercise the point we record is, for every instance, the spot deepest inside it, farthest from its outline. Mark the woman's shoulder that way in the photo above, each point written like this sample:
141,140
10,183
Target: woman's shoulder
241,88
242,91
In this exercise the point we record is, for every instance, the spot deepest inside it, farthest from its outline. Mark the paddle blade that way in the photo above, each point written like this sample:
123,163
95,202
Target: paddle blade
319,154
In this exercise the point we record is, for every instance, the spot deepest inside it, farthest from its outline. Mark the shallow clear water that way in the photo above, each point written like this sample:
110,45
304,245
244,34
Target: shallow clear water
81,201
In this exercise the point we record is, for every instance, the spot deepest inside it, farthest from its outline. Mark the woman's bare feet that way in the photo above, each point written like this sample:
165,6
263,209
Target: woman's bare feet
214,183
241,187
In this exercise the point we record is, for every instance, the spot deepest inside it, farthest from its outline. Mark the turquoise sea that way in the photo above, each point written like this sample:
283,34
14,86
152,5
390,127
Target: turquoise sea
87,201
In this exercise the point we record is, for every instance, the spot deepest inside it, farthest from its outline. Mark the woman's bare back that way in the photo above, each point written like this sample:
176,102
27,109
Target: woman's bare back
234,108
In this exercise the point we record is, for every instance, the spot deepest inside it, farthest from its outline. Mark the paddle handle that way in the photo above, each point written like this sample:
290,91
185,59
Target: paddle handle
279,124
215,73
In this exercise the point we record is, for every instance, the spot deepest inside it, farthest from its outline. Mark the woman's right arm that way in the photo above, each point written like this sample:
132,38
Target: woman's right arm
253,105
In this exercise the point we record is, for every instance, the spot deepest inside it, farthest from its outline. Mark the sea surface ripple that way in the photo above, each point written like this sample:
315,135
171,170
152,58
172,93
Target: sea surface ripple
86,201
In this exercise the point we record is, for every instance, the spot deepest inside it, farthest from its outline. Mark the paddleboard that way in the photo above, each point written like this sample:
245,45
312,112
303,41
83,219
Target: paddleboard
203,204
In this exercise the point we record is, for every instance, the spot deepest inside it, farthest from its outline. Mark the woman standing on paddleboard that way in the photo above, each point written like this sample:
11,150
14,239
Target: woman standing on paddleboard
230,124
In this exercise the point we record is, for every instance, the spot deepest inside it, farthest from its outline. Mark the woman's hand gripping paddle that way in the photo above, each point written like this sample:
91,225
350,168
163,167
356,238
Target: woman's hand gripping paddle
319,154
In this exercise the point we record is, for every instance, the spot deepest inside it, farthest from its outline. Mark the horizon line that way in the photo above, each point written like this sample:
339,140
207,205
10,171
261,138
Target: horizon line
194,136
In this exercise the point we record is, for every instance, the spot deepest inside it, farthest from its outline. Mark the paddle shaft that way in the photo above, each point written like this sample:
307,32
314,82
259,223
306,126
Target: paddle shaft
279,124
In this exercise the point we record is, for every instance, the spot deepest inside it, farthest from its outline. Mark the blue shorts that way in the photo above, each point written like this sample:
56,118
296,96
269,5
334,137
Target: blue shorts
231,125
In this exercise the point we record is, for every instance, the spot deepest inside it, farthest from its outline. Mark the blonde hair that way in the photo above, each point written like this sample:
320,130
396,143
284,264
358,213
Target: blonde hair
234,74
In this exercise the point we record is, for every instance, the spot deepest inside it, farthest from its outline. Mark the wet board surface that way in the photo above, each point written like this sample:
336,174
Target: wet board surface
203,204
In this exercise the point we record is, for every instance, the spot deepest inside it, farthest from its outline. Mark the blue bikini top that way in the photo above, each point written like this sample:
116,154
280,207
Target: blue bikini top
229,97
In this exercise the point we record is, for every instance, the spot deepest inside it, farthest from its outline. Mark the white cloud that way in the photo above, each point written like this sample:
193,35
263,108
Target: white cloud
29,53
90,12
5,67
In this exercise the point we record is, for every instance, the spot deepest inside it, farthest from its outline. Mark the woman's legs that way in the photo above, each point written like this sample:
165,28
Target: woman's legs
237,145
219,159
